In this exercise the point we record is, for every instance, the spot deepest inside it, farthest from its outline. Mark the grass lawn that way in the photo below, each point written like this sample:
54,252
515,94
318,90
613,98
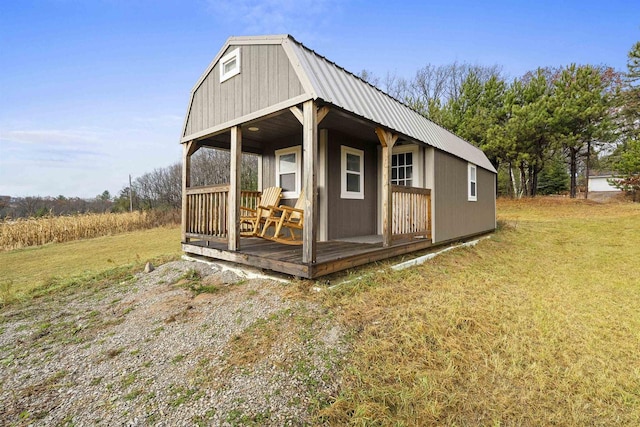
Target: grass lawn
538,325
24,270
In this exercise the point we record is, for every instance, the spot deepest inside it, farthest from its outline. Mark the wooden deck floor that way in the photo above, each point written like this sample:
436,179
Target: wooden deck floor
331,256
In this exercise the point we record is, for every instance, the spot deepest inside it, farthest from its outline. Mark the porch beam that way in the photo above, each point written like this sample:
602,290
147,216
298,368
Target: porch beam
322,113
310,181
387,140
234,189
298,114
188,148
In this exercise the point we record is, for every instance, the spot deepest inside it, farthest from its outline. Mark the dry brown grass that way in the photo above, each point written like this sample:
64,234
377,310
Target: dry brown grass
539,325
22,233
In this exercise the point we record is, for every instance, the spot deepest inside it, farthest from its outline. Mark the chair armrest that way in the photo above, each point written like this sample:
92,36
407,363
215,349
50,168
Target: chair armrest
273,208
290,209
242,208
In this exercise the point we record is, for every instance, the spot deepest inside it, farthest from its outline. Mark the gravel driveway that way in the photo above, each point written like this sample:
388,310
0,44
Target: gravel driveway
186,344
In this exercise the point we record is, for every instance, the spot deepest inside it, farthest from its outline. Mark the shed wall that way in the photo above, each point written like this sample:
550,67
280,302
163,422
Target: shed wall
455,216
266,78
269,161
351,217
600,183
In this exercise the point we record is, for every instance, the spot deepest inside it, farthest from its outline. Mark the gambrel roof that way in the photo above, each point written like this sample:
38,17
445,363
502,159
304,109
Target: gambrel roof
324,80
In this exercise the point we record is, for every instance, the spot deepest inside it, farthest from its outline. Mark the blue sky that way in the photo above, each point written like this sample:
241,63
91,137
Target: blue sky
94,90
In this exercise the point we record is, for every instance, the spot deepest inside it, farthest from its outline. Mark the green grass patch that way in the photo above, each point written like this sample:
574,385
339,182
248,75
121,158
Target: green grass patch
539,325
192,281
180,395
33,271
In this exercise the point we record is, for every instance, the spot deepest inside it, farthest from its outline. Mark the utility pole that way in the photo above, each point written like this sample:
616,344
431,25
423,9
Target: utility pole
130,195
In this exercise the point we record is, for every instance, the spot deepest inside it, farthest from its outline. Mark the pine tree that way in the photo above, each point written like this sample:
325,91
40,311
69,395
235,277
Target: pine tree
581,114
554,178
524,138
629,168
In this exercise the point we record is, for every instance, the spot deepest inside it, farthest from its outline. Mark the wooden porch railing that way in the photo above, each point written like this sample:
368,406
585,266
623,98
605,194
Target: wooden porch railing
411,212
207,211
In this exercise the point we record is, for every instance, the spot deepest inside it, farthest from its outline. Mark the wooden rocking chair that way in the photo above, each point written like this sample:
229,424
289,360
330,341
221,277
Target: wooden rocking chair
290,218
270,197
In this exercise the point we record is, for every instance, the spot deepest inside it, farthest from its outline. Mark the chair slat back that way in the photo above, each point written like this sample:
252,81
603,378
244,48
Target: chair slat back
270,197
299,205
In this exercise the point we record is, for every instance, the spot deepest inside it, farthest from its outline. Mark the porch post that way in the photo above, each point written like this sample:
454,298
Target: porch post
310,180
234,189
188,149
387,140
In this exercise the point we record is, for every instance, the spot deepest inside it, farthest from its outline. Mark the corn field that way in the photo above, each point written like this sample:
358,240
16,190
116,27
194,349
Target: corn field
21,233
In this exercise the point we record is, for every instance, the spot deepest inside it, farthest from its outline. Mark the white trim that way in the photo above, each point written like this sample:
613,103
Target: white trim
472,178
297,150
344,194
294,60
230,57
260,114
495,205
323,197
415,162
379,193
429,182
260,172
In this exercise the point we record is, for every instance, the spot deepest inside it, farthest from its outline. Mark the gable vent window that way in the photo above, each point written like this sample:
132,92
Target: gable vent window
230,65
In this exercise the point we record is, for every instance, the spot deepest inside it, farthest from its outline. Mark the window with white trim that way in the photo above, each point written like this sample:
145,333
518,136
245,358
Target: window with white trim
473,182
403,166
288,171
230,65
352,173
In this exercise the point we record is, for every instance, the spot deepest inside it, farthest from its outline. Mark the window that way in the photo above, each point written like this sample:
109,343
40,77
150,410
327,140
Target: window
230,65
352,171
288,174
473,186
402,166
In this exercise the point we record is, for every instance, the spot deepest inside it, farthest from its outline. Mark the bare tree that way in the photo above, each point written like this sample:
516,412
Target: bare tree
369,77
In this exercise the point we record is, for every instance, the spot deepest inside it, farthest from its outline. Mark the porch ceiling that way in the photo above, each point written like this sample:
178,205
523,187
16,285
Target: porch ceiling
284,124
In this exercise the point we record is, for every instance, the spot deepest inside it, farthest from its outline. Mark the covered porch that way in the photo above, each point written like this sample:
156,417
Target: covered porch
207,216
401,214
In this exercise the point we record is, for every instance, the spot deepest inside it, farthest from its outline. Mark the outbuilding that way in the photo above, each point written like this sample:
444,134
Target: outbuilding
601,183
377,179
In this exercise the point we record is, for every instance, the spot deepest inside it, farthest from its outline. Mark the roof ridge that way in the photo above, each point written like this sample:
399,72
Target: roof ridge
404,104
353,74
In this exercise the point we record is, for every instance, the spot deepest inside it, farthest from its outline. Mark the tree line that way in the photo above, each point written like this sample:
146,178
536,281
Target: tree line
162,187
159,189
542,131
25,207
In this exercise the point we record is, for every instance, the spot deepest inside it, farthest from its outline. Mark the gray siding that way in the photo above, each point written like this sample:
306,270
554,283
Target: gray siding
269,161
347,217
454,215
266,78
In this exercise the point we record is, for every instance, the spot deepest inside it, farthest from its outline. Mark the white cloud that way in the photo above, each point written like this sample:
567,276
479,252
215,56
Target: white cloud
80,162
49,136
50,146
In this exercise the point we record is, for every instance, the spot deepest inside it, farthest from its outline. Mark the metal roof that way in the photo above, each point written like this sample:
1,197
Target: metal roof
335,85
